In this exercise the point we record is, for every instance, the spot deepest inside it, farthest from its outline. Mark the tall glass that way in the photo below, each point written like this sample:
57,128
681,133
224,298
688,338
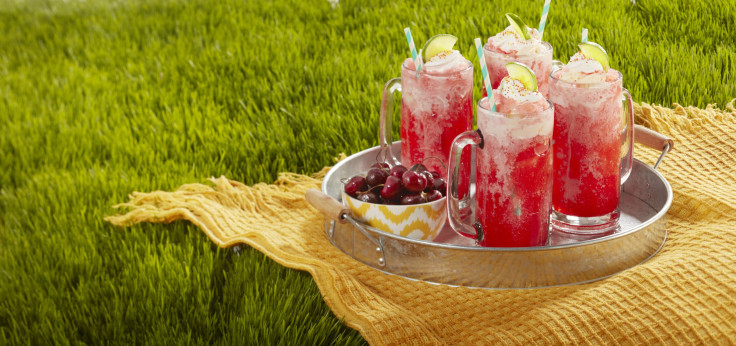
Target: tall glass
513,178
435,108
592,152
540,63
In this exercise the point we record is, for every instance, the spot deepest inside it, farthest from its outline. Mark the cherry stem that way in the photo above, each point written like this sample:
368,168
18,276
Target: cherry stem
382,155
436,158
371,189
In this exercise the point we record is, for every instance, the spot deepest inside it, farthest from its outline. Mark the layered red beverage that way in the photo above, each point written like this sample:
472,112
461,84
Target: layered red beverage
513,169
436,106
592,144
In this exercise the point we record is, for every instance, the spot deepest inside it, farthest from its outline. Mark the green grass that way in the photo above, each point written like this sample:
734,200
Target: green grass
101,98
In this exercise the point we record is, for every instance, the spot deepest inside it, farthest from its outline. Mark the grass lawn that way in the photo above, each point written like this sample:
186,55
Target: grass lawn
102,98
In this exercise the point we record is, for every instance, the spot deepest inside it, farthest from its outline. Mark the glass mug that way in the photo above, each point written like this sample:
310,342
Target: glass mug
513,178
593,153
435,108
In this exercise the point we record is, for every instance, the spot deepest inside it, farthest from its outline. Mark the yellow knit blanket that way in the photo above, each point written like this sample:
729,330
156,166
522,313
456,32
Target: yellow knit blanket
686,294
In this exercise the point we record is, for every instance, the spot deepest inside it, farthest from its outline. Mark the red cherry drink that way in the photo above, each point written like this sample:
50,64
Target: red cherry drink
435,108
589,145
587,140
514,175
513,169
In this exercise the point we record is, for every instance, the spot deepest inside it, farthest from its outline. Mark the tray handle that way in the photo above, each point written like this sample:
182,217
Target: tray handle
334,210
654,140
331,208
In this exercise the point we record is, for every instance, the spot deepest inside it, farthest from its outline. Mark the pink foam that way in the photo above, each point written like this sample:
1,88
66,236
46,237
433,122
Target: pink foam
507,105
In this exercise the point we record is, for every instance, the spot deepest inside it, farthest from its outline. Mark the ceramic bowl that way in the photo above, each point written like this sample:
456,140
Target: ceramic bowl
417,221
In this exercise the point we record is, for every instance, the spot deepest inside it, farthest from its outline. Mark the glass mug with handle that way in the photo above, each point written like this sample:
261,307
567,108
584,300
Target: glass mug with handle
436,106
593,150
513,177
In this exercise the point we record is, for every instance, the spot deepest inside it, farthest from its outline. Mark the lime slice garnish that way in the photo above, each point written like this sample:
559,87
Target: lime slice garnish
596,52
524,74
436,45
518,25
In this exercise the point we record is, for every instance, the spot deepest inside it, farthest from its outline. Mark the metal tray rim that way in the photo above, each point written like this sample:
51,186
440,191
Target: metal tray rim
572,283
639,227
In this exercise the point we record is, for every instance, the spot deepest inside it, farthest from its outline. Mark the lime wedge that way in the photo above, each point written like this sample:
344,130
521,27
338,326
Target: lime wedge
436,45
596,52
518,25
524,74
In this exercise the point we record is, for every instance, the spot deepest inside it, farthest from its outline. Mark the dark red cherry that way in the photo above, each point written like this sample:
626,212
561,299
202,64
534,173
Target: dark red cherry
398,171
413,181
434,195
391,188
355,185
435,174
394,201
413,199
376,176
368,197
430,181
440,185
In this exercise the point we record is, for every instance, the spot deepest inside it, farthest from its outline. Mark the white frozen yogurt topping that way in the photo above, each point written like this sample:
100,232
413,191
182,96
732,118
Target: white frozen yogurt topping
446,62
515,127
582,69
515,89
527,128
511,42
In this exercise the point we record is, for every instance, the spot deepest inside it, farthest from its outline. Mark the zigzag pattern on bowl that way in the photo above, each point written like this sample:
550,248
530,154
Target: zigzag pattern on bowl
415,221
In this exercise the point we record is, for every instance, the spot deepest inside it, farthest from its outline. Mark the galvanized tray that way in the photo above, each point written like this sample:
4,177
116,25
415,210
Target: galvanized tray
567,259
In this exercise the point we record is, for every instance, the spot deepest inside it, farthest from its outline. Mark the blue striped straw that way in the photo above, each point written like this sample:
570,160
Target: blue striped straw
417,59
484,71
543,20
585,35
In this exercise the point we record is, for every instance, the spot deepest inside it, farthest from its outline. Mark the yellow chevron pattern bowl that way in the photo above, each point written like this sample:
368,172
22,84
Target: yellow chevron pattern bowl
417,221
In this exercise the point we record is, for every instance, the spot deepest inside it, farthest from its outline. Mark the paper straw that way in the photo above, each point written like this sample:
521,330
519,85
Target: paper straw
417,59
484,71
585,35
543,20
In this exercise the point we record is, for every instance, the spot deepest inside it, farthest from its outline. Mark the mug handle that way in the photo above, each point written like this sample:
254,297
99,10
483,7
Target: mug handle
454,210
627,135
384,130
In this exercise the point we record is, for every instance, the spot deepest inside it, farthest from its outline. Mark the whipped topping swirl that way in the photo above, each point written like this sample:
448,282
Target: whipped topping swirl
582,69
446,62
511,42
514,89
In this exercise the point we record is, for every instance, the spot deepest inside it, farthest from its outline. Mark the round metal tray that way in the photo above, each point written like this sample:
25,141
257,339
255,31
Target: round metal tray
454,260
